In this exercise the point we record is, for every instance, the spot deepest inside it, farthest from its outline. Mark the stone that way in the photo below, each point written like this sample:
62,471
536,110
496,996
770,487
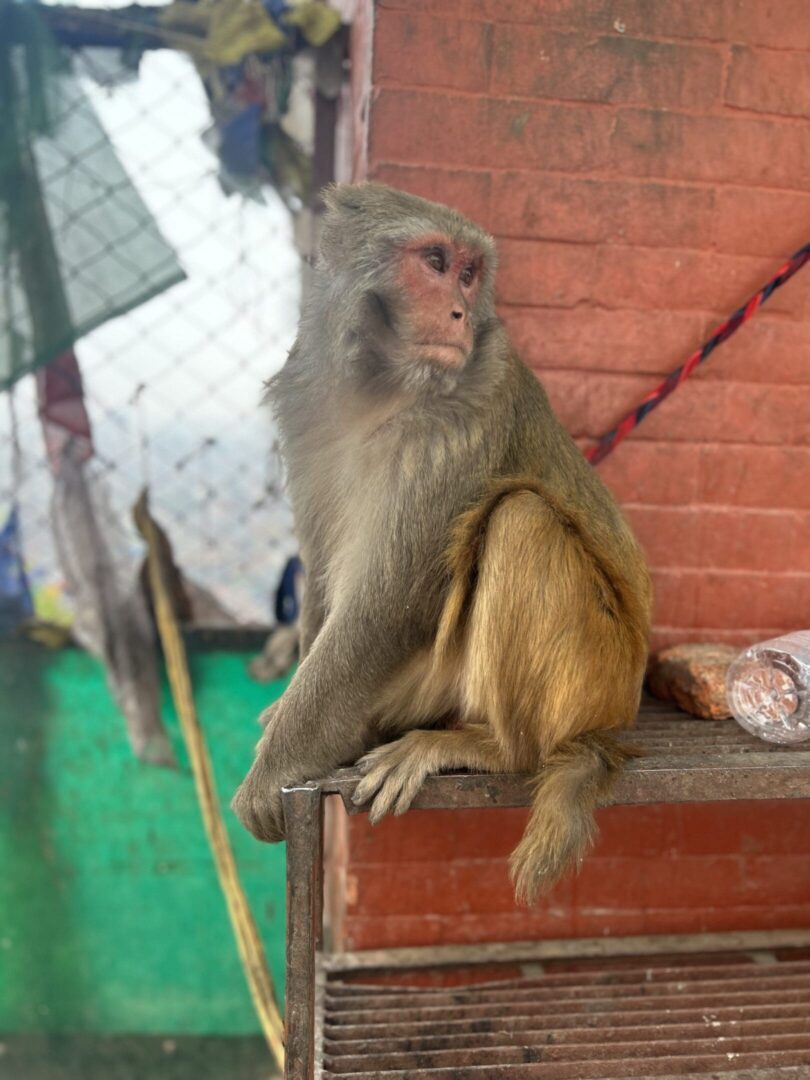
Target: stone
694,677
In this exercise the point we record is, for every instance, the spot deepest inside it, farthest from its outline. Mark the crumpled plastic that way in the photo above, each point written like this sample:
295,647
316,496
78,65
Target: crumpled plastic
111,617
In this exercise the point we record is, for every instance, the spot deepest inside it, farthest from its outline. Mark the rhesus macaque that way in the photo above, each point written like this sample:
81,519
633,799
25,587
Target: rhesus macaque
475,599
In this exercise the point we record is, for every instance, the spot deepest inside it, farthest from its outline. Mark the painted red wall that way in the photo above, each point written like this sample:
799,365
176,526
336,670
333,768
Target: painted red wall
644,167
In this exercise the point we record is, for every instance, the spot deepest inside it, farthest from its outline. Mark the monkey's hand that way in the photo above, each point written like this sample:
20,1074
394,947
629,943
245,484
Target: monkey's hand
257,802
393,774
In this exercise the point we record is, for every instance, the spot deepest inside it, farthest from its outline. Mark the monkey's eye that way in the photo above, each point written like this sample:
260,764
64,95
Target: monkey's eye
435,258
467,275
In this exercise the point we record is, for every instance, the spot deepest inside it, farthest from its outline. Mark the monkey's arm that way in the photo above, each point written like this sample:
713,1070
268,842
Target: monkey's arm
313,611
324,718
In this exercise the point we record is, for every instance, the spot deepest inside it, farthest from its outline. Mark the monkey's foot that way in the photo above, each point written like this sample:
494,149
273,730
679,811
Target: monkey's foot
394,772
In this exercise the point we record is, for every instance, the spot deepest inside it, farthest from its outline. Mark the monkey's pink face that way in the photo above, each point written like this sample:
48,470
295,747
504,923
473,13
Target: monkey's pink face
439,282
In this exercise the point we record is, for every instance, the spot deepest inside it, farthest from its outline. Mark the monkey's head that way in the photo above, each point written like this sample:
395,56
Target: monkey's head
414,280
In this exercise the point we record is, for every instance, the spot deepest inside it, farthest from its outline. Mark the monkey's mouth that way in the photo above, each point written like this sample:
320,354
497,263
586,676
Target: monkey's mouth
447,354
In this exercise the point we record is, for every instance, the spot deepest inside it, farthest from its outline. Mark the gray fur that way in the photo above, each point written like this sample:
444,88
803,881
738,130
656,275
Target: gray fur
382,457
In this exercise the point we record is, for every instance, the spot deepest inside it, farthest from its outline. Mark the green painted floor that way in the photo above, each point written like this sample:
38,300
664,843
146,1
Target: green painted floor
61,1057
111,918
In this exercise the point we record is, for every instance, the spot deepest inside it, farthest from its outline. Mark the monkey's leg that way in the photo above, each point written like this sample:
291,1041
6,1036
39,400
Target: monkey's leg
395,771
553,654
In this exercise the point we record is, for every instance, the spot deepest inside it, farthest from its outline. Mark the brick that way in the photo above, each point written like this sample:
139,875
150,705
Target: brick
748,21
767,349
743,599
700,410
753,22
437,835
656,342
481,885
551,207
728,538
722,918
637,831
668,145
767,477
784,876
675,596
670,536
413,48
461,928
760,222
523,925
586,15
469,192
449,130
768,82
761,540
653,472
685,881
664,636
631,342
777,828
743,21
617,69
649,213
548,274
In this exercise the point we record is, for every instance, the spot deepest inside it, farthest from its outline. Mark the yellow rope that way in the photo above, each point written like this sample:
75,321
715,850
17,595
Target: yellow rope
251,951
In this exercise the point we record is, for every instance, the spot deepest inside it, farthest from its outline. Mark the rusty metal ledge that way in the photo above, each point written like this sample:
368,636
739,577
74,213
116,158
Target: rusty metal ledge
526,952
683,760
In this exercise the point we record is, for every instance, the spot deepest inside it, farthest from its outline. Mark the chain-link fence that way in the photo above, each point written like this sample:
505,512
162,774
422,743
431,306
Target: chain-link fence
173,385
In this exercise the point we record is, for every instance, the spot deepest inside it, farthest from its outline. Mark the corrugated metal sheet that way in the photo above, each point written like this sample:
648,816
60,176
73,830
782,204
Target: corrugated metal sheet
685,1017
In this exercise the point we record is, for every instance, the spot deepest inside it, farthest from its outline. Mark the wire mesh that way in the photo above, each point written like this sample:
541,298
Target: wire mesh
173,387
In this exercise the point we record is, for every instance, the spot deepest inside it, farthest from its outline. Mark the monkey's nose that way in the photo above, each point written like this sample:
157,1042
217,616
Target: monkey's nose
456,313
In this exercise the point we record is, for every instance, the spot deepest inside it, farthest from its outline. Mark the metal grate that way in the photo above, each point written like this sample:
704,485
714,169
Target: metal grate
590,1019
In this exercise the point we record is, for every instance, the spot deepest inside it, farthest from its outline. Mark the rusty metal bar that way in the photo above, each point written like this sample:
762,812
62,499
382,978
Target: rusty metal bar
684,760
696,1031
303,821
533,951
647,780
522,1026
759,1066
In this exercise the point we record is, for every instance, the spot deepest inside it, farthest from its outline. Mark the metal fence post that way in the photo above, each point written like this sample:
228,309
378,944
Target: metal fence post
303,818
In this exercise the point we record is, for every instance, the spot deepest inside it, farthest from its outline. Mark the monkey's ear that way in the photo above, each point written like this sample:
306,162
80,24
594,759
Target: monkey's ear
342,198
340,228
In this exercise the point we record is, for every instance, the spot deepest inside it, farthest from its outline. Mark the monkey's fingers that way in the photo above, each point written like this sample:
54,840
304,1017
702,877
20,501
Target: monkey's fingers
408,792
375,766
394,775
389,792
260,814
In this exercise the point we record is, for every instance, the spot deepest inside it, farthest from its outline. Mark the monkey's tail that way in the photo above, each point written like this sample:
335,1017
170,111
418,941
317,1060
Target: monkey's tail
576,778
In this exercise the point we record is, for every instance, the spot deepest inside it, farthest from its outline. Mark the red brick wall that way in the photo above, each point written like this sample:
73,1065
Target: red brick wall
644,167
436,877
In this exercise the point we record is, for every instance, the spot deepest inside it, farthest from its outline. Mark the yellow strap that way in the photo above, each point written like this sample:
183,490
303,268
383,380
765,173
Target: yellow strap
251,950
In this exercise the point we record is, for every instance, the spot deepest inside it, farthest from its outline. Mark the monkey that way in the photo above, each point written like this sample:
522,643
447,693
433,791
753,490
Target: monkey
475,598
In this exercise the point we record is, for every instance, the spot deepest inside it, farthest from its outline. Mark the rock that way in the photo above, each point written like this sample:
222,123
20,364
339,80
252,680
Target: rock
694,677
